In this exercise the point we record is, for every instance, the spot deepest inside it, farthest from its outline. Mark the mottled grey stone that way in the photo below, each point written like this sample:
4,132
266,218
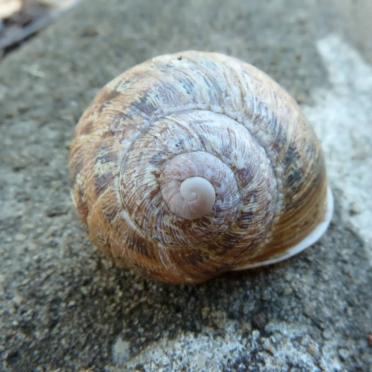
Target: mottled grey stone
62,305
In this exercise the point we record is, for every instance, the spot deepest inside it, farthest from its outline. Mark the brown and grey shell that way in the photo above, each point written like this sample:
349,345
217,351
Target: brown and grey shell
206,115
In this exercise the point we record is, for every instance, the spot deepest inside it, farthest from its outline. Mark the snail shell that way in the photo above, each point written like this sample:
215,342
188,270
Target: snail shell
193,164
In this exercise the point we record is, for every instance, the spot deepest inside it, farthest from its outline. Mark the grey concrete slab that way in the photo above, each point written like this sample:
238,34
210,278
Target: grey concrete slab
64,307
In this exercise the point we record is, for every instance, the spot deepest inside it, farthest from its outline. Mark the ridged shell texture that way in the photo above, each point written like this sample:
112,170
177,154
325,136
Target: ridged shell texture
257,177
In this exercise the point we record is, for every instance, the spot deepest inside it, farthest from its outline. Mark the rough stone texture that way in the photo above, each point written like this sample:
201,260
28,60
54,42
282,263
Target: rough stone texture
63,306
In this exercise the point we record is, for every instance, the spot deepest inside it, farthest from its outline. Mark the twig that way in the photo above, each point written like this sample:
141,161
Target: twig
33,28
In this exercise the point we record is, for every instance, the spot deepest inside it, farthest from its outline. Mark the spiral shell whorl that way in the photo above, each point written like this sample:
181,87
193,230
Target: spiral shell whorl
188,197
195,116
216,148
202,165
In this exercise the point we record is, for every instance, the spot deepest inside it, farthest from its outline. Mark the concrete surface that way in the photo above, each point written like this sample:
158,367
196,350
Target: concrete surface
64,307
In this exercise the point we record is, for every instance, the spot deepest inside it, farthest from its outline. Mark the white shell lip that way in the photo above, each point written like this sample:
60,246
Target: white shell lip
312,238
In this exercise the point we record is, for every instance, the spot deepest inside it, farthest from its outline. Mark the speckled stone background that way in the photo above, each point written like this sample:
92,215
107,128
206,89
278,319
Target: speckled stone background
64,307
